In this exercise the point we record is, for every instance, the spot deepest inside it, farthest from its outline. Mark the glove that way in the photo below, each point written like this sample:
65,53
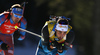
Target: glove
4,46
52,45
60,47
16,34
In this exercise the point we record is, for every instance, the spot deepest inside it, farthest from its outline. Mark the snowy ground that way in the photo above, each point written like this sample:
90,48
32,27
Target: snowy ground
29,50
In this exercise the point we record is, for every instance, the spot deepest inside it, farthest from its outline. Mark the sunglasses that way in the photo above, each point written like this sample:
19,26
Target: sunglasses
17,16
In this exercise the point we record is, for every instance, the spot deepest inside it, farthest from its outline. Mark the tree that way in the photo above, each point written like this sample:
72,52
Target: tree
96,28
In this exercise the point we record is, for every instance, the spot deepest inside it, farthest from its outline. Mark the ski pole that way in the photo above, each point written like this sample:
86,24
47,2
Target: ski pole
16,27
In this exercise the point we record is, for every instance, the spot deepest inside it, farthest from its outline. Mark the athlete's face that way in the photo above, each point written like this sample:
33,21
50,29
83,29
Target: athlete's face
16,17
60,34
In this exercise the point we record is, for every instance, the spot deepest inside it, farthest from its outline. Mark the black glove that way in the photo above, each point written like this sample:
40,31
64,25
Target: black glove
16,34
60,47
4,46
54,43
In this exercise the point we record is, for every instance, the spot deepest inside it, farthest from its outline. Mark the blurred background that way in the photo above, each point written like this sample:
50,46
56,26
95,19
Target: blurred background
85,20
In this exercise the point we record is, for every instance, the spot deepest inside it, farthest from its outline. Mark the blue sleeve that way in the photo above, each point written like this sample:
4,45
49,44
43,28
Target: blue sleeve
44,47
23,26
2,19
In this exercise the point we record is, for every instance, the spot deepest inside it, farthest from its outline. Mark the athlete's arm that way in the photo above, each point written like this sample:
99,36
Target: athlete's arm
70,37
45,42
23,26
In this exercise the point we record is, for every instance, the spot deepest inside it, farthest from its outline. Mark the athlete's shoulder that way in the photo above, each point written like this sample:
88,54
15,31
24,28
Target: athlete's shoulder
50,22
3,16
4,13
